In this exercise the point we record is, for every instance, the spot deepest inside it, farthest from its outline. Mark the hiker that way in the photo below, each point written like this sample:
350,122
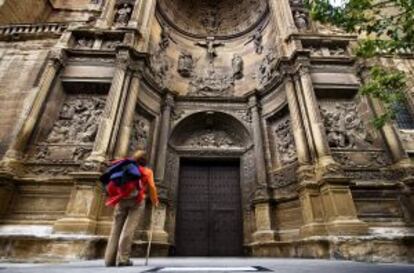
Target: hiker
126,182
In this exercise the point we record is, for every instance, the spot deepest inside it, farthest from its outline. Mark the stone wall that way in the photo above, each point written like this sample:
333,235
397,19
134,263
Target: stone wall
30,11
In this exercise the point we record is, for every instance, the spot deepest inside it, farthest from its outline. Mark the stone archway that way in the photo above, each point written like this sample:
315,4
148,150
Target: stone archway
213,137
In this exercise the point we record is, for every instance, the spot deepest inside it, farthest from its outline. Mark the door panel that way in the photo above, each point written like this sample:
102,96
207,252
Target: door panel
192,216
209,220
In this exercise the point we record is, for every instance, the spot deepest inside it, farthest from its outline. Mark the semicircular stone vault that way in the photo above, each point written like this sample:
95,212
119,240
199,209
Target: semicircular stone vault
217,18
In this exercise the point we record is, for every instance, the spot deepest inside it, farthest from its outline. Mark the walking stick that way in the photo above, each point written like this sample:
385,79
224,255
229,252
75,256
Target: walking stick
150,235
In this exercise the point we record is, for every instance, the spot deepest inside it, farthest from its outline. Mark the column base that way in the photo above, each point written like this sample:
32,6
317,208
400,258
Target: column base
159,236
347,227
75,225
313,229
262,236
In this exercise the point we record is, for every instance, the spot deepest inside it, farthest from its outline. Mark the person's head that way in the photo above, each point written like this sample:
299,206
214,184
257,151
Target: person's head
140,157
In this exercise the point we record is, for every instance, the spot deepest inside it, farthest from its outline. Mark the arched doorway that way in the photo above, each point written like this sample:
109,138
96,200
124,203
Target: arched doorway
212,184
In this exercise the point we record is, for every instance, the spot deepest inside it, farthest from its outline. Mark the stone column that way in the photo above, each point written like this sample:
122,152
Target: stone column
391,136
163,139
281,14
160,216
264,232
22,138
107,14
113,103
142,18
326,164
83,207
298,129
125,130
258,143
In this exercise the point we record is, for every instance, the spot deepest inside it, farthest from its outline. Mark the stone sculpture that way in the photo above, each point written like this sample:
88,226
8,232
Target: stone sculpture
185,64
210,45
237,66
123,14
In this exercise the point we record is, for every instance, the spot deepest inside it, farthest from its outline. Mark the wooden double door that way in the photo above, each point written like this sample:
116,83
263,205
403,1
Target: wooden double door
209,216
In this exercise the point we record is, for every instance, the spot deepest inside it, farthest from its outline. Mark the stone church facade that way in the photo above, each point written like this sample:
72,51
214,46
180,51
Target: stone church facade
249,112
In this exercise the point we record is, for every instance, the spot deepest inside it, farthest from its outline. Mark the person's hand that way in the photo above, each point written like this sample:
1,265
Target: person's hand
157,204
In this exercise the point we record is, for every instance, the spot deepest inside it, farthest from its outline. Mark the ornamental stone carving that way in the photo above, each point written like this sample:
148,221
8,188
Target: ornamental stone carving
267,70
123,12
257,40
285,143
212,84
78,120
140,134
84,43
185,64
237,66
344,128
210,138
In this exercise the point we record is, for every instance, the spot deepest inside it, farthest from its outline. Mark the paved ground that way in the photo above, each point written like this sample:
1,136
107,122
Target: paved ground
274,265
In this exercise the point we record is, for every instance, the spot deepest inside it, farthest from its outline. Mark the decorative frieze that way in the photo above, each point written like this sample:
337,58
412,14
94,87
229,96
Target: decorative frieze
23,30
213,83
88,41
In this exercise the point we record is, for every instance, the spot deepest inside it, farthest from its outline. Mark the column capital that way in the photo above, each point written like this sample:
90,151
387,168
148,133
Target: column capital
169,100
253,102
123,59
58,57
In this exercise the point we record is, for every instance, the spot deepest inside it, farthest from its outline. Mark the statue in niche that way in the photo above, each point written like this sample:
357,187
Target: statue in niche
301,20
185,64
285,142
344,128
257,40
237,65
123,14
210,45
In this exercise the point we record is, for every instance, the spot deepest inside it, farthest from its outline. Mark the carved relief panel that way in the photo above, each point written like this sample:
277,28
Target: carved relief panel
350,134
344,127
142,130
67,130
281,140
73,133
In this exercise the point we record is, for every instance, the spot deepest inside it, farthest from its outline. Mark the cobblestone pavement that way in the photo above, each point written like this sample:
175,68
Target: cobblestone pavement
217,265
